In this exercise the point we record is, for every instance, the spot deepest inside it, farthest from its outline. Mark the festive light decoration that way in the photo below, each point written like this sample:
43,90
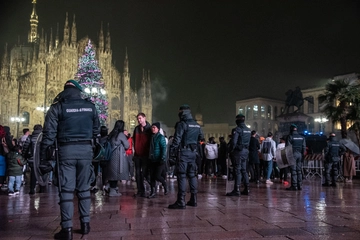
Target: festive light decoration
90,79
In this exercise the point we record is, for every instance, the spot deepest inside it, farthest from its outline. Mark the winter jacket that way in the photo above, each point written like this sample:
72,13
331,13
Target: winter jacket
15,163
141,140
211,151
157,148
30,144
117,168
254,147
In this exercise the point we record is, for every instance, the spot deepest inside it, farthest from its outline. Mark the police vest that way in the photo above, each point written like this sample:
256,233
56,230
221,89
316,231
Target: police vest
297,142
191,135
76,120
334,147
244,137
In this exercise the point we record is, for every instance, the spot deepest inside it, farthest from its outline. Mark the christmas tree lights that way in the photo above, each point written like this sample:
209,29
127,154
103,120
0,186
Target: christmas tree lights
90,79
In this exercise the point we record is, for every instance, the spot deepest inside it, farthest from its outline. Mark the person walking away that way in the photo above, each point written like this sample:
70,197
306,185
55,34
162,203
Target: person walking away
117,168
157,156
239,153
28,150
141,140
102,140
283,171
268,150
349,166
129,155
254,162
74,123
183,149
222,158
16,162
299,147
333,151
211,154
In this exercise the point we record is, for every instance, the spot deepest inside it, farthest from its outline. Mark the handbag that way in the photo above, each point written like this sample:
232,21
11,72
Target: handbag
5,146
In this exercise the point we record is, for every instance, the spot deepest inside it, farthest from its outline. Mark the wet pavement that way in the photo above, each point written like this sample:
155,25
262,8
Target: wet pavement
268,212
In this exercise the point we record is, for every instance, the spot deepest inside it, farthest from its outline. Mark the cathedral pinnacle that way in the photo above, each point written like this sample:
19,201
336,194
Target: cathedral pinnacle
34,21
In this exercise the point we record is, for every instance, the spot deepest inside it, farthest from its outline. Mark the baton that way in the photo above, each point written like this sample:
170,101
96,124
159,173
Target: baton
57,164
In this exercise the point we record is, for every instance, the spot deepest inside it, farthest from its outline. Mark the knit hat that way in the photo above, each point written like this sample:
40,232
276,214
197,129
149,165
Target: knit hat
72,83
184,107
156,124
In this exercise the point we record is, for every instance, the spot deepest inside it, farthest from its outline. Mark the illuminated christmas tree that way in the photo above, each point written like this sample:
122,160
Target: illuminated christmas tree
90,79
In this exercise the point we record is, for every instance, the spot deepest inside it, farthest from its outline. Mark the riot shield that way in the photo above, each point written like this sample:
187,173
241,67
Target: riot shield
285,157
230,176
42,179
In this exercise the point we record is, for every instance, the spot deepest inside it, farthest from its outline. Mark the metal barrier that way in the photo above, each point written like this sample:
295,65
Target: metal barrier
313,166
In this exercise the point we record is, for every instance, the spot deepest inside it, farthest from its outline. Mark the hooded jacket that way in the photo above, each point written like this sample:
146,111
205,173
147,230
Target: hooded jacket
211,151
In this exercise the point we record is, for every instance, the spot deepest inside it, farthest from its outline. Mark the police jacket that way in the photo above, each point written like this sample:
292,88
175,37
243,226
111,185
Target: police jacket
297,141
240,138
334,150
72,120
187,135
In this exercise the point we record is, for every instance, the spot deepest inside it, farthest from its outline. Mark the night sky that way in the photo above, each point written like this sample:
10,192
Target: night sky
210,53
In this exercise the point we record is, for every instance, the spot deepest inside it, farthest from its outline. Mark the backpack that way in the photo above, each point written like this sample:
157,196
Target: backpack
105,152
266,147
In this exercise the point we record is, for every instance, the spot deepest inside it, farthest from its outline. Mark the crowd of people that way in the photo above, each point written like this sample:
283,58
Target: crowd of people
147,157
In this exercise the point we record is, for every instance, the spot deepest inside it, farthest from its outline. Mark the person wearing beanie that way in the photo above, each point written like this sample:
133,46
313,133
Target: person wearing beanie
73,122
239,153
298,144
183,151
157,156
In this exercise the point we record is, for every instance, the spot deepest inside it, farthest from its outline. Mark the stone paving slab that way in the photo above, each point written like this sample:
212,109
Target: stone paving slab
268,212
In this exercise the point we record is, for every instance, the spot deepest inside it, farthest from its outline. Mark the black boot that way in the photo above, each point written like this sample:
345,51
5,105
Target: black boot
64,234
179,204
85,228
193,200
152,193
235,192
246,190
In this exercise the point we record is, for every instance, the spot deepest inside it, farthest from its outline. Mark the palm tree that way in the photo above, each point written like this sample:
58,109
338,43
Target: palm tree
340,102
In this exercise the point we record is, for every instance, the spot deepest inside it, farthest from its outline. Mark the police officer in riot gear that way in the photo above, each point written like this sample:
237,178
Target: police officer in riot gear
184,148
74,123
239,153
298,144
333,151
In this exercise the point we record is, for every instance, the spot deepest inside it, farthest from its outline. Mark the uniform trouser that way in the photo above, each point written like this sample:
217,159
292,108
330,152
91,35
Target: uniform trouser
331,171
296,174
141,170
75,175
239,160
186,167
32,177
96,171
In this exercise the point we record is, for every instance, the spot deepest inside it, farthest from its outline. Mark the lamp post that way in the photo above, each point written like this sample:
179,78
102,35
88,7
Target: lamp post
321,120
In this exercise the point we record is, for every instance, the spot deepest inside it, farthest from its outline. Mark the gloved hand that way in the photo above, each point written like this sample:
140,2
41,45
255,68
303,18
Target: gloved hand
45,167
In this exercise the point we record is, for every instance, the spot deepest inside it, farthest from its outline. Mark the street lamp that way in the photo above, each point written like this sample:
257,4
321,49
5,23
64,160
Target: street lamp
95,91
18,120
321,120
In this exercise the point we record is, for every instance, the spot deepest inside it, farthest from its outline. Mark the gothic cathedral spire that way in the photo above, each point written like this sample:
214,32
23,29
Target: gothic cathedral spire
108,40
66,30
73,32
101,38
33,34
57,36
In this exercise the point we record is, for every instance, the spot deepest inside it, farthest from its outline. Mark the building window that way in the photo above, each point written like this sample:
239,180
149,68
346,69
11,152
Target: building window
26,116
241,111
268,114
310,104
262,112
256,111
248,112
275,111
